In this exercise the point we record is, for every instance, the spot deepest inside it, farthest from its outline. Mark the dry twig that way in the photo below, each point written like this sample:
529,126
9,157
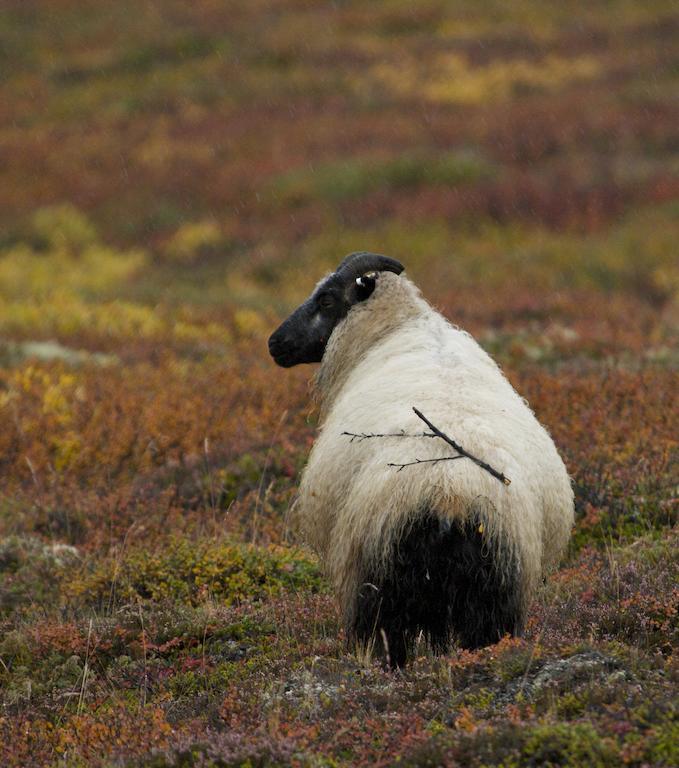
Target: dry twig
502,478
424,461
435,432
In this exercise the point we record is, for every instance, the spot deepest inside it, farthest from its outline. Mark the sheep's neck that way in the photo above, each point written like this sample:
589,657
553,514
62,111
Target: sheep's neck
396,302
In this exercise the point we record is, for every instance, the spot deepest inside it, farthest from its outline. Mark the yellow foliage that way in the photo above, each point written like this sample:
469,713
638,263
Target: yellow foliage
27,272
56,398
64,313
183,571
66,450
67,258
56,286
192,239
250,323
63,226
666,279
450,77
185,331
55,395
161,149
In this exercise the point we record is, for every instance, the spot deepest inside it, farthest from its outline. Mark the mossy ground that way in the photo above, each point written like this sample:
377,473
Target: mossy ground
174,181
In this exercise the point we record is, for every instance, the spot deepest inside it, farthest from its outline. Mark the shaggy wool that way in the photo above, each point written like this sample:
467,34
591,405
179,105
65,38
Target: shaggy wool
389,354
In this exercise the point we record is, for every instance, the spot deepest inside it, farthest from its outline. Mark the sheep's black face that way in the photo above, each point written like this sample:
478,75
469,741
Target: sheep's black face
302,338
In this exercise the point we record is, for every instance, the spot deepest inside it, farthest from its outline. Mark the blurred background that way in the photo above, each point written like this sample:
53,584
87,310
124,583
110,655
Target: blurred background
217,155
174,178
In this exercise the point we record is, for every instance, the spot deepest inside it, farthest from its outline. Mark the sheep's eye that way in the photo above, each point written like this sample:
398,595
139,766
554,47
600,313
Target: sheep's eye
326,301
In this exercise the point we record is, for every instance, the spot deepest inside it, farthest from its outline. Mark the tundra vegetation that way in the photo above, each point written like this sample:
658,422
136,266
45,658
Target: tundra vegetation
173,183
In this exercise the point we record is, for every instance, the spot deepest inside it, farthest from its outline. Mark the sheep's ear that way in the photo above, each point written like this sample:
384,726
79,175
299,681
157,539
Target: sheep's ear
365,285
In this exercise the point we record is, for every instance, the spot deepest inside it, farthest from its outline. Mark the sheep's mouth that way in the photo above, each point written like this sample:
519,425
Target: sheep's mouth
281,355
284,360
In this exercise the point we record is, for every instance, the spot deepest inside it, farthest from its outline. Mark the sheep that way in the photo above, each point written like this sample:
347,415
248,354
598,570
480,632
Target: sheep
440,550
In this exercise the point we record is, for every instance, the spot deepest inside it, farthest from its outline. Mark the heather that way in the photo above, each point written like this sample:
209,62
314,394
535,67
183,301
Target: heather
175,178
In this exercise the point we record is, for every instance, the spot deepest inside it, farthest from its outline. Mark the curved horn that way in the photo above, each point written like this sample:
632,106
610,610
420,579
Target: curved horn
356,264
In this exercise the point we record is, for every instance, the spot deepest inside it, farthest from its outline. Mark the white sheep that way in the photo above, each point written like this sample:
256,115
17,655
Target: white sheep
439,549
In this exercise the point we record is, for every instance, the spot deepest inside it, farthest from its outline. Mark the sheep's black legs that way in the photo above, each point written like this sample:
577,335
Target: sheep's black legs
444,583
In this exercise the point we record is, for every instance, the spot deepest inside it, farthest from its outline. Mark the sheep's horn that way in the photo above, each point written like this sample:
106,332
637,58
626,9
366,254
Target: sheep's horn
356,264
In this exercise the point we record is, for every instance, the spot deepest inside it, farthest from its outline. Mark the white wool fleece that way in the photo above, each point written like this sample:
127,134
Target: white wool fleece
393,352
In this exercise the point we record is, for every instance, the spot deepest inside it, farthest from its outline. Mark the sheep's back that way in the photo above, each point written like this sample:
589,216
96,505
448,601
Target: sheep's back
353,504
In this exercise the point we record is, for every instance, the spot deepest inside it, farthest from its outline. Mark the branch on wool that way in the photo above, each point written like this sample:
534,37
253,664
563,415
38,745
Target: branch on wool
435,432
399,467
361,436
502,478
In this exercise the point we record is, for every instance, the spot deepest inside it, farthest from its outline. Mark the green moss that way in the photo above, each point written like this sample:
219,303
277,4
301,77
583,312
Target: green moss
228,483
663,748
572,704
68,674
30,572
624,515
553,745
196,682
191,573
514,662
352,179
139,61
14,650
480,699
572,745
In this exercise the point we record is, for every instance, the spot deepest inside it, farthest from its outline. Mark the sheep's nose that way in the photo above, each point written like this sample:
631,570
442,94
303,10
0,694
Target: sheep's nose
276,343
280,349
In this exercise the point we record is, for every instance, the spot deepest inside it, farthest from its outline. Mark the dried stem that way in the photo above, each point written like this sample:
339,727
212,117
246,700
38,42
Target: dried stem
502,478
424,461
435,432
361,436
